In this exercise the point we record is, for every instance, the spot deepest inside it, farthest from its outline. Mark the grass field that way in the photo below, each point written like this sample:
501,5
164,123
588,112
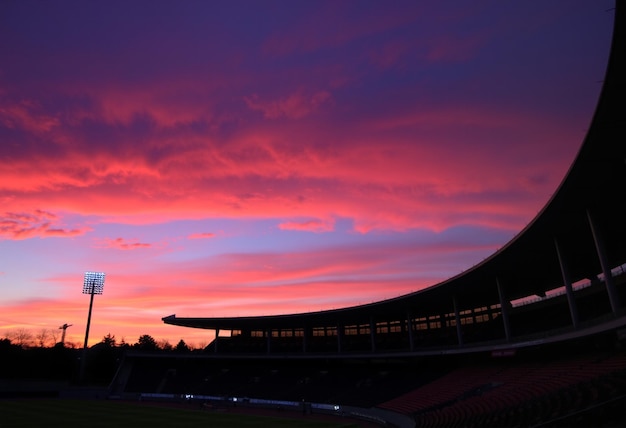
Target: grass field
64,413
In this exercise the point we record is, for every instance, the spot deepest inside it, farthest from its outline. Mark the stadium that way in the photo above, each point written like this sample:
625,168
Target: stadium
535,335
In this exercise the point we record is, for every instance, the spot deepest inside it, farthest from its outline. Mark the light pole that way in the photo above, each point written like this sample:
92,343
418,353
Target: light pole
64,327
92,284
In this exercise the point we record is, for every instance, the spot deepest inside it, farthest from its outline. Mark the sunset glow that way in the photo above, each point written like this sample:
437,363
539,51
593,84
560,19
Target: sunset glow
244,158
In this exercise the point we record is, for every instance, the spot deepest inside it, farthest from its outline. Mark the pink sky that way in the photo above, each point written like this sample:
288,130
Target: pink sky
243,158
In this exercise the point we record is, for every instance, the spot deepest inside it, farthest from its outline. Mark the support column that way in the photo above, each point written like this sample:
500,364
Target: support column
606,270
573,310
457,319
305,335
269,340
409,326
339,337
373,334
504,310
217,335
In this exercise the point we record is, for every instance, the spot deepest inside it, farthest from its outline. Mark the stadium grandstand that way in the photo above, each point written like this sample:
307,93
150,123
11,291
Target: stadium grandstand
535,335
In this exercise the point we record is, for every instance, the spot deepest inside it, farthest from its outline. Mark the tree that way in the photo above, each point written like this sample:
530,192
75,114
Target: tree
42,337
54,335
164,344
182,346
21,337
109,340
146,343
5,344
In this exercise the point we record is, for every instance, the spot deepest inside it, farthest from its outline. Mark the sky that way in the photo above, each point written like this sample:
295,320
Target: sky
236,158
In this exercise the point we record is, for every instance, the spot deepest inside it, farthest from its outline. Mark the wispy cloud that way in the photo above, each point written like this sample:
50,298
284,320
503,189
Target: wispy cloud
314,225
36,224
122,244
26,115
294,106
201,235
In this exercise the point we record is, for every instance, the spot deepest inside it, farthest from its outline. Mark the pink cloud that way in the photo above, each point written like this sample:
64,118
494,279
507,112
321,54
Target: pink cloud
38,224
398,184
294,106
28,115
122,244
316,226
396,170
157,101
201,235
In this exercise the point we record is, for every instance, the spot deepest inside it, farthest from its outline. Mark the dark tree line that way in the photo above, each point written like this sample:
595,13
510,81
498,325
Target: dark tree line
60,363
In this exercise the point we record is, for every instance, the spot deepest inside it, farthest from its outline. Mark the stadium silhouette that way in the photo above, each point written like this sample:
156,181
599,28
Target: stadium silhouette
532,336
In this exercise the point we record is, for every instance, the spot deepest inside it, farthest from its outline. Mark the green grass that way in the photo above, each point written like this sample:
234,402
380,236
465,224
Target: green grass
62,413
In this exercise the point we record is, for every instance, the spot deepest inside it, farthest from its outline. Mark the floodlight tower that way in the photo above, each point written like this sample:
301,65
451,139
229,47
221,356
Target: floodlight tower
92,284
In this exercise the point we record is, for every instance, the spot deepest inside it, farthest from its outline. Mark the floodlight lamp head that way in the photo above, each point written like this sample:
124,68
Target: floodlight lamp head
93,283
